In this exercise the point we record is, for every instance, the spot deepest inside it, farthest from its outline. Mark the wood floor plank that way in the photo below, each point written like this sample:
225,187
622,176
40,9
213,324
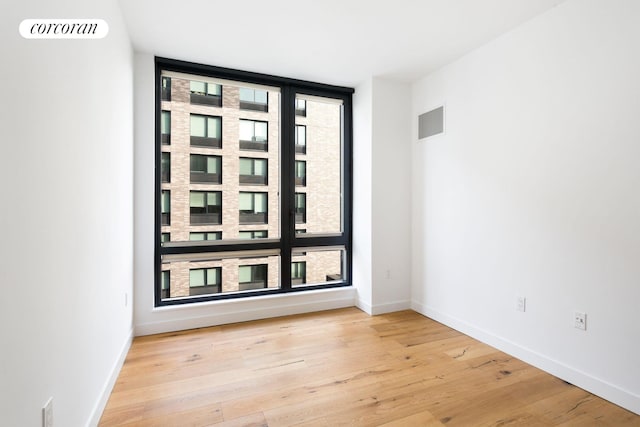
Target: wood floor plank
341,367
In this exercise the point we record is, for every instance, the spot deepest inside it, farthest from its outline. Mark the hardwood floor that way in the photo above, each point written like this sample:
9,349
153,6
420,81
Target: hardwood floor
341,367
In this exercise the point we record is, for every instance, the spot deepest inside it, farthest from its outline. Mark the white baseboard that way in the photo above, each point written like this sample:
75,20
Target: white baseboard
246,309
610,392
390,307
98,408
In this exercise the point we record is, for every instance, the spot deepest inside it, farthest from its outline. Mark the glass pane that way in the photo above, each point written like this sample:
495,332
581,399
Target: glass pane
197,87
319,141
213,89
261,131
165,123
198,125
312,266
214,167
261,203
246,130
196,277
246,202
261,96
196,236
212,275
213,127
246,94
196,200
212,164
246,166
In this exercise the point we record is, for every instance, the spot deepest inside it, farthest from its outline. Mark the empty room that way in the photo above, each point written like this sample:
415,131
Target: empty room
278,213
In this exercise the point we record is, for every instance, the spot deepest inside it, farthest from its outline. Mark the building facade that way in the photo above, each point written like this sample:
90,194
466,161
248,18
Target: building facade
220,182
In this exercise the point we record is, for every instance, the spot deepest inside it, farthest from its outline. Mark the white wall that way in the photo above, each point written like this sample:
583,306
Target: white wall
149,320
533,191
67,215
382,196
391,188
362,195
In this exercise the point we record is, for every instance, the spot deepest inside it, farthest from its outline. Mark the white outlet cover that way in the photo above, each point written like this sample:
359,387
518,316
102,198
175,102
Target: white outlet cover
580,320
521,304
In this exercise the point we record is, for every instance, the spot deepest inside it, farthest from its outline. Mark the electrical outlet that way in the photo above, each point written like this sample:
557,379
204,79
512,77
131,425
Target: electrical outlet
580,320
521,304
47,413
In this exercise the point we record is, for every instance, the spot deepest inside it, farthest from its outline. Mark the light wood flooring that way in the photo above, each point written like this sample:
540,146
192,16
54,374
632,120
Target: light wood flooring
341,367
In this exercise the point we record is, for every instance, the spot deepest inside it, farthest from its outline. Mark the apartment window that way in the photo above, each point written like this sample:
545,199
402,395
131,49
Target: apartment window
165,206
301,208
165,167
254,99
205,235
301,139
165,127
298,272
206,169
263,172
165,283
252,277
206,131
301,107
205,207
205,93
254,234
204,281
253,171
253,208
301,173
166,89
253,135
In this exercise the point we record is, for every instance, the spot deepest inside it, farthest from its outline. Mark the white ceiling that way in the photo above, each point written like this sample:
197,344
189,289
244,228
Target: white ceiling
339,42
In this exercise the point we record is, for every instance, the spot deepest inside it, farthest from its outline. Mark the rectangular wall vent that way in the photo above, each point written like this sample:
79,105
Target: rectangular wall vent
431,123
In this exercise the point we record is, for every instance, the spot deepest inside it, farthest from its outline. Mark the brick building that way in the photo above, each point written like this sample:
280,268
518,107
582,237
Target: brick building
220,172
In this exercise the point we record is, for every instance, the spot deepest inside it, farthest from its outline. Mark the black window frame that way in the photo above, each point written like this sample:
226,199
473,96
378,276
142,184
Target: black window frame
205,141
289,240
205,177
253,178
199,218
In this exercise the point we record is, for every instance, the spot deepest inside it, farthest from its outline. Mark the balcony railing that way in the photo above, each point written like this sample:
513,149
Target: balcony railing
206,218
301,149
204,141
253,179
254,106
301,181
165,219
253,218
254,145
166,94
214,100
299,281
301,217
206,178
165,138
301,112
165,176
